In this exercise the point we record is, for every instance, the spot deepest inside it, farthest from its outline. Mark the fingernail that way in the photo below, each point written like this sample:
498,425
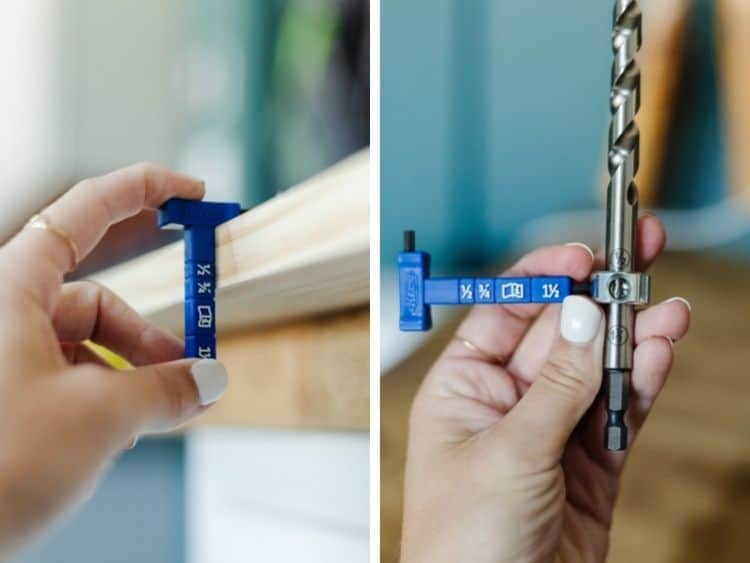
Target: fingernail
584,246
211,380
685,301
199,181
580,319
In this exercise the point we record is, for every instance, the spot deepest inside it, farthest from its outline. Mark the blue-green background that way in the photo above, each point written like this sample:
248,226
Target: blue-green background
495,112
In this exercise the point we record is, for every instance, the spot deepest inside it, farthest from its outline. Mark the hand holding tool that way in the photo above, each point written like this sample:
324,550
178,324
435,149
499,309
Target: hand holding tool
620,288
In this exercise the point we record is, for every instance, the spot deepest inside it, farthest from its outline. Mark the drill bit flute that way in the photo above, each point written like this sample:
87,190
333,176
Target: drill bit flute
622,217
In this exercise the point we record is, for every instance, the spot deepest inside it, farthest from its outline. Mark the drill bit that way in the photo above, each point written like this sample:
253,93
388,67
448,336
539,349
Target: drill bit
622,215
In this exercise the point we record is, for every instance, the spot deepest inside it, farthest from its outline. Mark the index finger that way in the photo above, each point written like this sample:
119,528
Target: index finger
40,259
495,330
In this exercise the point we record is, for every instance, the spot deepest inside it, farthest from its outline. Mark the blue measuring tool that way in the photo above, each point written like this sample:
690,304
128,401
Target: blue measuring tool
199,219
418,291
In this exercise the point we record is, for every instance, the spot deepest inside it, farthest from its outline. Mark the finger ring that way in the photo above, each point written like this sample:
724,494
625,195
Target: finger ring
41,222
487,356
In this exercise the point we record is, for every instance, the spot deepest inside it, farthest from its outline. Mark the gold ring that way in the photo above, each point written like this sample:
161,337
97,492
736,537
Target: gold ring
39,221
487,356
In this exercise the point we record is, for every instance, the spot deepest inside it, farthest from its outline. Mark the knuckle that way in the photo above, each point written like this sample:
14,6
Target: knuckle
86,185
150,184
567,374
81,297
90,291
95,295
143,168
144,171
176,391
100,294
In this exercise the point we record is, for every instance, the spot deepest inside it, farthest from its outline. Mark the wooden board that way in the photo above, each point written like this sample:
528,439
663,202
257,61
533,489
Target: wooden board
686,489
733,35
312,373
664,34
303,252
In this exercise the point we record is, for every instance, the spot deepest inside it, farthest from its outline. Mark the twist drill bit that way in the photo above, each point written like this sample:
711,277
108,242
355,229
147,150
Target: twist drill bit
622,215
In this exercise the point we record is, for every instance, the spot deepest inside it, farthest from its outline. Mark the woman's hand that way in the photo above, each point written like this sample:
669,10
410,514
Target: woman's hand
506,460
64,414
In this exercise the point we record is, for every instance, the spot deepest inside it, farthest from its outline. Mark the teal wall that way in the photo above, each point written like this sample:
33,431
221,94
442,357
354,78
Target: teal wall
492,113
495,112
136,515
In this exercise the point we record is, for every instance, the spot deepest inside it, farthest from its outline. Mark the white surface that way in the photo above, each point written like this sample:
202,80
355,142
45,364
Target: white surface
277,496
34,127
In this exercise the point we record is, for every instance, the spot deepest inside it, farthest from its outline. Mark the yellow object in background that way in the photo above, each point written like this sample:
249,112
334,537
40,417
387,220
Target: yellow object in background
108,356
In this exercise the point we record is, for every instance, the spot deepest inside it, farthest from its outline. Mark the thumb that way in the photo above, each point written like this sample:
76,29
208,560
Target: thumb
163,396
567,384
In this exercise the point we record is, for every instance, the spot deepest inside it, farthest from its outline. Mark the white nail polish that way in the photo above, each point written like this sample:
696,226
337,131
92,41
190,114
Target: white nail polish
580,319
211,380
683,300
584,246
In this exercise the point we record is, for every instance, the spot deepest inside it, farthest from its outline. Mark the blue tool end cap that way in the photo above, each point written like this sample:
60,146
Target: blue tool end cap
413,269
176,213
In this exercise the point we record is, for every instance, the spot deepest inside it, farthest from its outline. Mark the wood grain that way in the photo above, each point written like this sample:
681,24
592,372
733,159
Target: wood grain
311,373
686,490
304,252
664,34
733,34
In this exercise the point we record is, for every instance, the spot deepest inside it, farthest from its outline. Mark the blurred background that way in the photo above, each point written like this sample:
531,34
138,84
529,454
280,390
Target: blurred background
253,97
494,120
